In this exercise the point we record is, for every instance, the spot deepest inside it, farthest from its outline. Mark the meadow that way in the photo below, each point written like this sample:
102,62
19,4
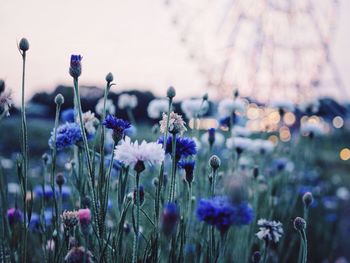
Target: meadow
243,182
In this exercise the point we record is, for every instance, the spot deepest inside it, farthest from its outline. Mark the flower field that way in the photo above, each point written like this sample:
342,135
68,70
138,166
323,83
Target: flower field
232,180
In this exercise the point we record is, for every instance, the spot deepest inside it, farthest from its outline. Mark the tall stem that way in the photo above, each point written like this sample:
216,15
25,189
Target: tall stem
25,160
136,236
173,169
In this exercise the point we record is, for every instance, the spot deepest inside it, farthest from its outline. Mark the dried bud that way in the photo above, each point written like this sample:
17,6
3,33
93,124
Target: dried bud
23,44
59,99
109,77
299,224
60,179
171,92
308,199
215,162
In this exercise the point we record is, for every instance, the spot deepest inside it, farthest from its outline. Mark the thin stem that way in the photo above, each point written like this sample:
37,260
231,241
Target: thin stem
25,159
173,169
136,230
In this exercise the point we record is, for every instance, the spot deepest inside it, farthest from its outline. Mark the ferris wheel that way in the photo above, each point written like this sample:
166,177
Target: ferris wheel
268,49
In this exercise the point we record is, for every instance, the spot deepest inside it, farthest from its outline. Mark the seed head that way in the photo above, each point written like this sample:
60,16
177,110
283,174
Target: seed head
214,162
299,224
308,199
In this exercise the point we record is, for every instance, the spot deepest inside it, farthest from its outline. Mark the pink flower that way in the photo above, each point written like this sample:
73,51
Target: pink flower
84,216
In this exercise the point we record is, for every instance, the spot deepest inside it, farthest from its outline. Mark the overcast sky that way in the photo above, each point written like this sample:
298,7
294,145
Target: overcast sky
135,40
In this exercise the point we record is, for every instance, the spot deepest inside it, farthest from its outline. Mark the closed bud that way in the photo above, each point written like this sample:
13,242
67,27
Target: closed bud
59,99
60,179
256,257
24,44
171,92
45,158
308,199
139,166
2,85
155,182
256,172
215,162
299,224
109,77
205,96
235,93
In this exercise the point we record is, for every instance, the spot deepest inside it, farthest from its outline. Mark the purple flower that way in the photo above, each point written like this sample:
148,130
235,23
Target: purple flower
220,213
14,215
118,126
170,218
185,147
188,166
68,115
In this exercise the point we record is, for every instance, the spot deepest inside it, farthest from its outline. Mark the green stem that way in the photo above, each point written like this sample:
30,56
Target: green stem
136,230
25,160
173,170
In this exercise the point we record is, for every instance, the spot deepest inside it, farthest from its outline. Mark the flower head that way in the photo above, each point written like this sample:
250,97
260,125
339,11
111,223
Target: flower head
110,108
176,123
127,101
14,216
170,218
75,66
90,122
188,166
269,230
194,107
132,152
67,135
299,224
157,107
185,147
68,115
84,216
220,213
117,125
70,219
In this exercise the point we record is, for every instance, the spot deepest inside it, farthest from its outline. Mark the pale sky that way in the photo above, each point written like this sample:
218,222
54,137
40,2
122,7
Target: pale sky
135,40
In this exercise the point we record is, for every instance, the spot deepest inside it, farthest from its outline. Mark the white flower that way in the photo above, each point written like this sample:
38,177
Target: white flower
125,100
269,230
110,108
176,123
262,146
228,106
131,152
90,122
194,107
238,143
240,131
157,107
308,128
5,102
283,104
219,139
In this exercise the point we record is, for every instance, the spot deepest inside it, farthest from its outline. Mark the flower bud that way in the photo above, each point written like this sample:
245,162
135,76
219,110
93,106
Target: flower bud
59,99
75,66
60,179
2,86
308,199
235,93
215,162
170,218
205,96
256,257
109,77
23,44
171,92
155,182
211,136
256,172
299,224
139,166
45,158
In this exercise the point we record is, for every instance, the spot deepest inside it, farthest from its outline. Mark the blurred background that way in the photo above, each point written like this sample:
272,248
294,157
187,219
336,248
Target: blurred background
268,49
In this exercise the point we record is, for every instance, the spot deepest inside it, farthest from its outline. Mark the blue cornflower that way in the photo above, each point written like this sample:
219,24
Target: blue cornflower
117,125
220,213
185,147
188,166
68,115
67,135
170,218
47,193
75,66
